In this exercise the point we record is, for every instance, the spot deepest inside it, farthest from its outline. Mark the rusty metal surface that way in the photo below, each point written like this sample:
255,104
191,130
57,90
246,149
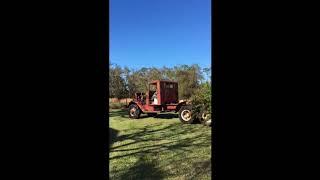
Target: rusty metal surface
167,96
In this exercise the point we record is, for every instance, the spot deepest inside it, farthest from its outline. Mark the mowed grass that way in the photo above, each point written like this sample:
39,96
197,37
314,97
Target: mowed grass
158,148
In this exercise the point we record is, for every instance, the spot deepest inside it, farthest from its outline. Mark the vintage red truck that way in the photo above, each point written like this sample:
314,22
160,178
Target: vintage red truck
162,96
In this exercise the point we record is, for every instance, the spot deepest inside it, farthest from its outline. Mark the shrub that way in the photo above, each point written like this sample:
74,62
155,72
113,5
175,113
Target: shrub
201,100
116,105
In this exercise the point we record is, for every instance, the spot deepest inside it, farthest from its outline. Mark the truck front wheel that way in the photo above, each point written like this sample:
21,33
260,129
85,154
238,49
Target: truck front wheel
134,111
185,115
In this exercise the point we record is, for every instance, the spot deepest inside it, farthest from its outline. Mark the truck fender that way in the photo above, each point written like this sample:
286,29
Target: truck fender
179,106
132,102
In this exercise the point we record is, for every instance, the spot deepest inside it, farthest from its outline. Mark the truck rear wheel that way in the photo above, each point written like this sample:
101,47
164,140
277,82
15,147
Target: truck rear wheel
134,111
185,115
205,117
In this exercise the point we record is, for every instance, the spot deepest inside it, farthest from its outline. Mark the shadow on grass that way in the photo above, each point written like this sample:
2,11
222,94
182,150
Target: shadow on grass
118,112
112,136
160,116
124,114
143,169
200,168
171,141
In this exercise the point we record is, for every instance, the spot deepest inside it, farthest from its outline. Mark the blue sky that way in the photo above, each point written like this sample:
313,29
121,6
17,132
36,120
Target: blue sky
154,33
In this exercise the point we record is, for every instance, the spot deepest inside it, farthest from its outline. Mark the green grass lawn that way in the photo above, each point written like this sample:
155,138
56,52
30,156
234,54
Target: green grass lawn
158,148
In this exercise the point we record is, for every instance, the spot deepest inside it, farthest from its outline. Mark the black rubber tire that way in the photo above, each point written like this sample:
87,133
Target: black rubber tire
183,119
151,114
136,113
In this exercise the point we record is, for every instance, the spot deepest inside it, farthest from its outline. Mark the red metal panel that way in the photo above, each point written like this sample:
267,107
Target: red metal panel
170,92
159,92
171,107
165,95
162,92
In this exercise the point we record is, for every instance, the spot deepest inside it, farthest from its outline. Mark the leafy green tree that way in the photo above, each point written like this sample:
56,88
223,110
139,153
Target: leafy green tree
117,85
126,82
201,100
189,79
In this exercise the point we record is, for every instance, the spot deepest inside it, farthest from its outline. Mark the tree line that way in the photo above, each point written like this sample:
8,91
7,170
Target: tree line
125,82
